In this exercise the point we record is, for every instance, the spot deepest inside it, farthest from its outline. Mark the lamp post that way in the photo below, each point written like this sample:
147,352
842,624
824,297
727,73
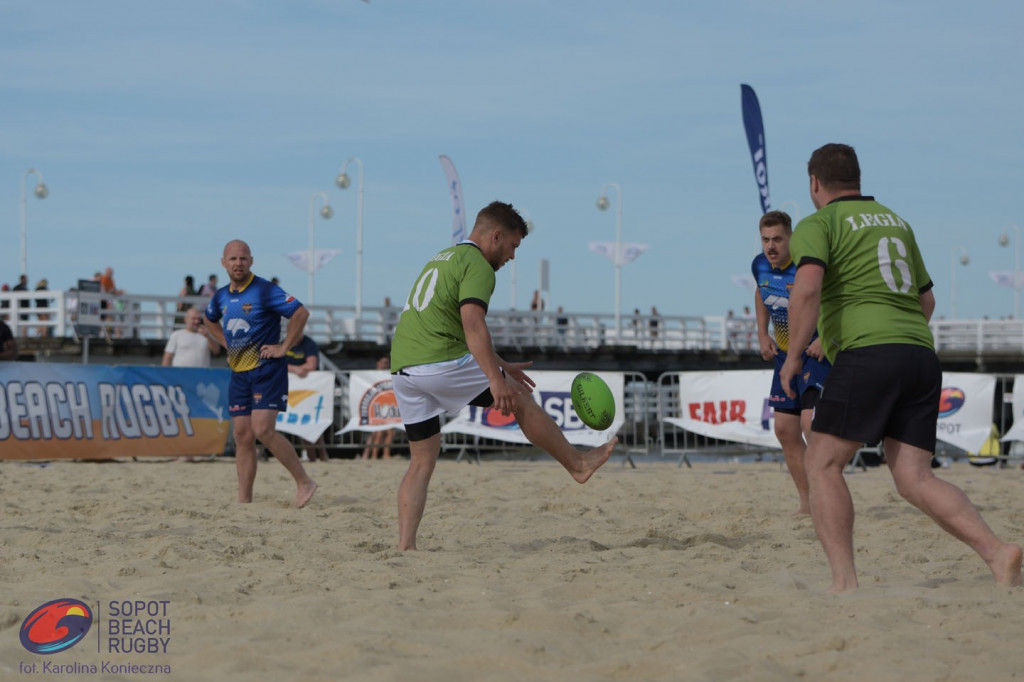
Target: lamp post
964,260
343,182
512,265
41,191
1004,240
602,205
325,212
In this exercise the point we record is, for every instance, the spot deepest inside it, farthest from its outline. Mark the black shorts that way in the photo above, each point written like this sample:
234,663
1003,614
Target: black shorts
890,390
808,399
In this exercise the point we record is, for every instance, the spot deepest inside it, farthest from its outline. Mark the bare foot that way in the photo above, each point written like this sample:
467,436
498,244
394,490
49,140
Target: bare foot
305,494
592,461
801,512
1005,565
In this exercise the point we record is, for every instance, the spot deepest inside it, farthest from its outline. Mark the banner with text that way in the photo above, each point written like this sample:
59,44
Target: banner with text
733,406
552,392
371,402
63,411
730,406
310,405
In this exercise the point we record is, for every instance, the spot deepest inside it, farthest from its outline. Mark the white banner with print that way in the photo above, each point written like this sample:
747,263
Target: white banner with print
371,402
552,392
965,409
310,405
733,406
1016,400
729,406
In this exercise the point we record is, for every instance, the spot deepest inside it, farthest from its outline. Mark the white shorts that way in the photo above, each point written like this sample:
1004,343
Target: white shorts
426,391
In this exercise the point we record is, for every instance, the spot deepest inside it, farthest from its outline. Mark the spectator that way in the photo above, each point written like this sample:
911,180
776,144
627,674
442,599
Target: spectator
655,322
42,304
22,285
8,346
389,318
562,322
191,346
210,288
303,358
188,290
537,304
4,304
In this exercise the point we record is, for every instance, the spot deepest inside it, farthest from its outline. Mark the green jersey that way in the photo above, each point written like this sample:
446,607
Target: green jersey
874,275
430,327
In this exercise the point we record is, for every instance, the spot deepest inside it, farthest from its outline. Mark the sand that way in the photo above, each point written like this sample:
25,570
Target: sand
657,573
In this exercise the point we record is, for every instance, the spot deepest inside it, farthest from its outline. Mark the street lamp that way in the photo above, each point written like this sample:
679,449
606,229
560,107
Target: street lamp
325,212
964,260
343,182
1004,240
41,191
602,205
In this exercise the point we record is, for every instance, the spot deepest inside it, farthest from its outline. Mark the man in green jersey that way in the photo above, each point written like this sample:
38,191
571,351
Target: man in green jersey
861,280
442,359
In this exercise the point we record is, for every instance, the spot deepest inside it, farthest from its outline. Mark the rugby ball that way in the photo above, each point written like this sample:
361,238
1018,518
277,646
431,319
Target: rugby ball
593,401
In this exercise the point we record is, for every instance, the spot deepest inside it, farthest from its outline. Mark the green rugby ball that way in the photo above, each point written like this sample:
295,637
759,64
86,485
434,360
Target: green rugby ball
593,401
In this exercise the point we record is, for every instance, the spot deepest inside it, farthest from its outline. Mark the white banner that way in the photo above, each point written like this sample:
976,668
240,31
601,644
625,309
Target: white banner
552,392
371,402
1016,400
310,405
321,257
733,406
455,187
965,409
629,251
729,406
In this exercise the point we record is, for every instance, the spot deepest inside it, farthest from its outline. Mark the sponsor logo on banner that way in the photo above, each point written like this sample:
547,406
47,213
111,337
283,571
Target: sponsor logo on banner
556,404
950,401
718,411
378,405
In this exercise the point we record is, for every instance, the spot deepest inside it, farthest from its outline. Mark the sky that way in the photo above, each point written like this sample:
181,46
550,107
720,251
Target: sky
165,129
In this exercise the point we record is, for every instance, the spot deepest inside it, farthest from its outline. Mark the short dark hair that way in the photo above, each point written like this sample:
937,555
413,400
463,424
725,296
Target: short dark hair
776,218
502,215
835,166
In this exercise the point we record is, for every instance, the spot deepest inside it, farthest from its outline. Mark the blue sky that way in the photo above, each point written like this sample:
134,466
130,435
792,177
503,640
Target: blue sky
165,129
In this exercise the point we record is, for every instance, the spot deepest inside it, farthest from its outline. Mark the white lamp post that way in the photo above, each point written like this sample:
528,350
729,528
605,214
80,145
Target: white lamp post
41,191
602,205
1004,240
964,260
343,182
325,212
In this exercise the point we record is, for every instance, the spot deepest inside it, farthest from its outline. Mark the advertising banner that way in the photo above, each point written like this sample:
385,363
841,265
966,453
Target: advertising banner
310,405
63,411
371,402
552,392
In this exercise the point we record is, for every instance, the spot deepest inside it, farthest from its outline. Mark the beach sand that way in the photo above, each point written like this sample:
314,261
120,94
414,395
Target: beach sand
653,573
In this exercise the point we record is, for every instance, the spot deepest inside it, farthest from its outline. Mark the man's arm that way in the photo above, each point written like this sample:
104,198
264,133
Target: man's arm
804,303
928,304
167,359
292,336
215,331
478,339
768,348
306,367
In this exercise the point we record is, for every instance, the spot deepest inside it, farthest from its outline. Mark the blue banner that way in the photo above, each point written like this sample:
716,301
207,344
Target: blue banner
64,411
755,140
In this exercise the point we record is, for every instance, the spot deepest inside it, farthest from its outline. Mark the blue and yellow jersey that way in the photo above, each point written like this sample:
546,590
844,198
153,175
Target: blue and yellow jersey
774,285
251,319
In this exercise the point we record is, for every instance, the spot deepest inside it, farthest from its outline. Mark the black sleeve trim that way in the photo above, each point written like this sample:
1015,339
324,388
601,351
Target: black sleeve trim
926,287
474,301
813,261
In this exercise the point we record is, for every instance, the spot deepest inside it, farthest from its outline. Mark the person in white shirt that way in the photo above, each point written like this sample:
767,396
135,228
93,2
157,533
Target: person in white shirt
191,346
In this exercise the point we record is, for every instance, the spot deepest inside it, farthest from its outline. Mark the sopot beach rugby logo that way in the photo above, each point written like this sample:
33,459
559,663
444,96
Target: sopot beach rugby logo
56,626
